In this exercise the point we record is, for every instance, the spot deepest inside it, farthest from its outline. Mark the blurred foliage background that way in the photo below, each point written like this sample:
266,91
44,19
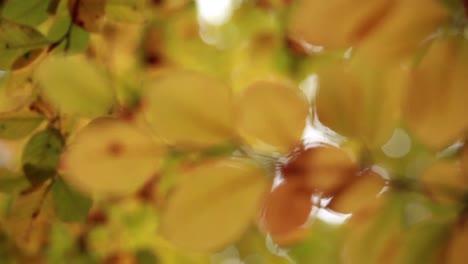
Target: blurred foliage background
233,131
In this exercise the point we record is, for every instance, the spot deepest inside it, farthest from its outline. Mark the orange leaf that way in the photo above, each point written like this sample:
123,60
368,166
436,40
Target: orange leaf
286,211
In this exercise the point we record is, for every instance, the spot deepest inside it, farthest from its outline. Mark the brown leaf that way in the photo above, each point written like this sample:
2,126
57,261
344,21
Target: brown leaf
88,14
324,168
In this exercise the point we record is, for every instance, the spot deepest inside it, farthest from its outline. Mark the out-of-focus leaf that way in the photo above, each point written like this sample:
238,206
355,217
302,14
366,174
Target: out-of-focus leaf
214,204
29,219
123,158
444,181
423,243
5,249
405,28
276,129
27,59
373,237
259,60
41,155
88,14
464,161
146,257
21,84
363,193
456,252
291,199
253,249
12,100
59,28
17,40
60,245
126,10
152,46
10,182
27,12
360,102
324,169
87,94
350,20
77,40
368,25
71,205
179,112
18,125
183,45
321,246
258,43
436,95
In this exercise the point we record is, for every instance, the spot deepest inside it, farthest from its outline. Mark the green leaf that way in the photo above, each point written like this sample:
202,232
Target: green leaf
27,12
315,249
41,155
145,256
71,205
77,38
16,40
423,242
76,86
59,28
5,249
61,243
11,182
252,248
17,126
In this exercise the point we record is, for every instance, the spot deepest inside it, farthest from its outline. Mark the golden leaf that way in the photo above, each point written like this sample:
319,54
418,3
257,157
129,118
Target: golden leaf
214,204
443,181
362,194
435,104
109,156
271,116
360,102
190,109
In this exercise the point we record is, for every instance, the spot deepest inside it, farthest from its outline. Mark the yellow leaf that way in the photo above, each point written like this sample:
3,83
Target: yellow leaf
335,23
110,156
272,116
383,31
75,86
29,220
214,205
190,109
360,102
401,30
435,104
